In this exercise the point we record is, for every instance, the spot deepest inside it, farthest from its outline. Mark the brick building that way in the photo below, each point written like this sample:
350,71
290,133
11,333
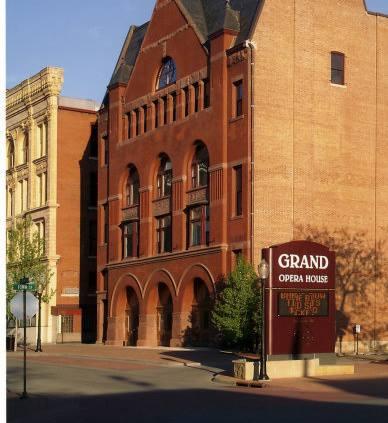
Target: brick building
229,126
52,178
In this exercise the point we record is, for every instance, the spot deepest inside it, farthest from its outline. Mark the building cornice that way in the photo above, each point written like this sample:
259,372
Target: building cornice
48,82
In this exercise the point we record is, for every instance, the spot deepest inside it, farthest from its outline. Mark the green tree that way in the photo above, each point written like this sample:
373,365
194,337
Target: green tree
26,258
237,311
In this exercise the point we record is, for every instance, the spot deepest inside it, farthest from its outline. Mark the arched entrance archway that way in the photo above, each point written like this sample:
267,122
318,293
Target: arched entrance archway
195,304
164,315
131,317
200,313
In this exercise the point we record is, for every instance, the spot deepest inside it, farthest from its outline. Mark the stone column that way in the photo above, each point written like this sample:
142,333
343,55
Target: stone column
147,330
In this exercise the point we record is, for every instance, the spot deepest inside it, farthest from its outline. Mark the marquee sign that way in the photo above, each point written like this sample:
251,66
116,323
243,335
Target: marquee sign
300,299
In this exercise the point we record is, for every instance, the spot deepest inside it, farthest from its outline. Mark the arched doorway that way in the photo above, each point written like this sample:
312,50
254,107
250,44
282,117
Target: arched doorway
164,310
200,313
131,317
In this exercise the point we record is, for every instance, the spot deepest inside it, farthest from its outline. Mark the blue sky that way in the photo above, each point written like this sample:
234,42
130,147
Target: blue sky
82,36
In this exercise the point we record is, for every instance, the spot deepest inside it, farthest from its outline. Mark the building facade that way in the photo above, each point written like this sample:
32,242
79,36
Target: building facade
52,178
228,127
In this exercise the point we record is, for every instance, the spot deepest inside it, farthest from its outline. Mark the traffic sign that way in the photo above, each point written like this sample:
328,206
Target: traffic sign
24,286
16,305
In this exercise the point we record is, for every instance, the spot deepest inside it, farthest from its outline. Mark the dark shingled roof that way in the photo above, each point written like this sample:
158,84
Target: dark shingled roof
207,16
210,16
129,54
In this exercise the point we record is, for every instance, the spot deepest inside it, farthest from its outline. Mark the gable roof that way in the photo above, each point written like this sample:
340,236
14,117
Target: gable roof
207,17
210,16
128,55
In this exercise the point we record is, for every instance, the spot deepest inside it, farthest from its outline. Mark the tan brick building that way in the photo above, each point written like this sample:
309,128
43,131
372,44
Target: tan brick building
51,177
229,126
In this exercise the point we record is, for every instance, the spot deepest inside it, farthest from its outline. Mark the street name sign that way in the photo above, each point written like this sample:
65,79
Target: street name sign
24,286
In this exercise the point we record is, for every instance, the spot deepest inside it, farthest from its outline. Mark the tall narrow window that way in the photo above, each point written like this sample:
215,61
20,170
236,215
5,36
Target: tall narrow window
199,226
238,93
11,154
174,101
132,187
337,68
164,178
167,74
144,119
165,108
45,190
129,124
10,200
40,231
238,190
138,126
164,234
199,167
21,196
131,239
41,139
106,150
156,113
186,92
106,223
206,96
25,149
39,189
196,97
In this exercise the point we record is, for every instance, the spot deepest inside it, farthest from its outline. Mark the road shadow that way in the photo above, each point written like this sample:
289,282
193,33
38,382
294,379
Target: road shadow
189,406
373,387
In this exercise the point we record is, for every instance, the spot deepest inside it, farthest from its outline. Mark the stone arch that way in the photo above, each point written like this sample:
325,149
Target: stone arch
159,307
127,280
197,270
159,275
123,320
195,299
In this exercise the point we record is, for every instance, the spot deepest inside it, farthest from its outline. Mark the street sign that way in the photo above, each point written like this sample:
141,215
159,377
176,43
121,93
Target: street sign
16,305
21,286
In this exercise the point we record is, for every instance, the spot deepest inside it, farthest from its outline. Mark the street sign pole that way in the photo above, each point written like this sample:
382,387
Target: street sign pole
24,394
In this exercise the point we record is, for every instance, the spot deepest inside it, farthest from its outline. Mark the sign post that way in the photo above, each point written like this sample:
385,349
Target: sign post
24,394
20,311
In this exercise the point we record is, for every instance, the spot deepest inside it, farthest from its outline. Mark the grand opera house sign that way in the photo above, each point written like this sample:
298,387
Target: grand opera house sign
300,299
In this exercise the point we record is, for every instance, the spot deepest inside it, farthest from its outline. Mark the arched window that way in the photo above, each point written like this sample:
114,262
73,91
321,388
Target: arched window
25,149
11,154
164,178
167,74
199,167
132,187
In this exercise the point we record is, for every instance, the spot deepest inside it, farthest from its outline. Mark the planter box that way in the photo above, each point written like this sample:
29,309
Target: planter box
243,369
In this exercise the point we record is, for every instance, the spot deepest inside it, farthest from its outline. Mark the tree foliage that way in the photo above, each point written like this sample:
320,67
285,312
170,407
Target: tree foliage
26,258
236,314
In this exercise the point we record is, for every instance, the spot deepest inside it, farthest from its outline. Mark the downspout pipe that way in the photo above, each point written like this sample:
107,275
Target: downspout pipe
251,72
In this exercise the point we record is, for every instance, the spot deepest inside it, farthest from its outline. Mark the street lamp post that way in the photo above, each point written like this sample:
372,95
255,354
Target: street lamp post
39,341
263,276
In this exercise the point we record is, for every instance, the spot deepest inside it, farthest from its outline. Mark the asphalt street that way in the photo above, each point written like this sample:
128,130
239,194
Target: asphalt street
63,389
